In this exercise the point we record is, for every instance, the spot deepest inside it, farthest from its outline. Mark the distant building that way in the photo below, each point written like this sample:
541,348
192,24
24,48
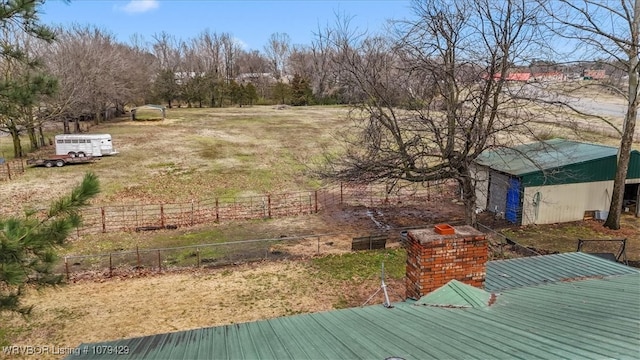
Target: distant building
515,76
255,78
552,76
590,74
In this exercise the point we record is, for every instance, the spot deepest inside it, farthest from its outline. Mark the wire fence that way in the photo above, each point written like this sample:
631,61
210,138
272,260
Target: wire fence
137,260
142,217
9,170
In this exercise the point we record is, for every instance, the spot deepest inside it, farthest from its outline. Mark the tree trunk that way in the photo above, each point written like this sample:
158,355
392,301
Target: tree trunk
33,139
469,198
624,155
17,146
628,128
41,136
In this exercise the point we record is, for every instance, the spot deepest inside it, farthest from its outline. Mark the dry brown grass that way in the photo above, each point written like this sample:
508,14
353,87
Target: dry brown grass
109,309
193,154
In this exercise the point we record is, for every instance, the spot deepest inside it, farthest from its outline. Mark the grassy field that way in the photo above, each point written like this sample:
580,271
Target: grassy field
194,153
204,153
89,311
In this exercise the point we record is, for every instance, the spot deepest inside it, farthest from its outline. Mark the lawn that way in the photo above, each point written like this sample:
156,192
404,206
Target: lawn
564,237
89,311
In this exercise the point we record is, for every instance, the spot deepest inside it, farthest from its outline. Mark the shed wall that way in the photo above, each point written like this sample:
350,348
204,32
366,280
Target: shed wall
563,203
481,176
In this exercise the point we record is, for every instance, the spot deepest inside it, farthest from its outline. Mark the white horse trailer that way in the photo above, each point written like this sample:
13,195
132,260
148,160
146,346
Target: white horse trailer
84,145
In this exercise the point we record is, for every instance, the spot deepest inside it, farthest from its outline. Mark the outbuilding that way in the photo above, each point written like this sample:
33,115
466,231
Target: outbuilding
552,181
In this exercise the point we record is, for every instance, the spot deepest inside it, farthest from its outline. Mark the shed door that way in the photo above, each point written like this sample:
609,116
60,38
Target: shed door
498,186
513,201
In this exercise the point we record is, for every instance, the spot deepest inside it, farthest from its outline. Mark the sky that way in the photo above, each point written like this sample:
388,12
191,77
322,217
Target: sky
250,22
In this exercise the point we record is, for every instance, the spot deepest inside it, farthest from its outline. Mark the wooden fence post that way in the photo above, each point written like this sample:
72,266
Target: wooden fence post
269,204
159,262
66,267
110,265
162,215
198,255
8,170
217,214
104,221
316,197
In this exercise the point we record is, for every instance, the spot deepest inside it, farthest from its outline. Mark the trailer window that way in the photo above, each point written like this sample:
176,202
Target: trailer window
59,141
82,141
67,141
74,141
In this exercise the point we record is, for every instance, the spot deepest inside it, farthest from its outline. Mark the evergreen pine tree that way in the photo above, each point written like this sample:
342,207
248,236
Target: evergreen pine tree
28,244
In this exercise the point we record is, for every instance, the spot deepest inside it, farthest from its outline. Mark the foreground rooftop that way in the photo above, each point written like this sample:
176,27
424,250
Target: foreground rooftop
569,306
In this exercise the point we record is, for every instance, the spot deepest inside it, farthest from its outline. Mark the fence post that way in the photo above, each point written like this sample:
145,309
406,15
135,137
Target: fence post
8,170
316,198
162,215
159,262
318,245
198,255
269,204
217,216
110,266
104,221
66,267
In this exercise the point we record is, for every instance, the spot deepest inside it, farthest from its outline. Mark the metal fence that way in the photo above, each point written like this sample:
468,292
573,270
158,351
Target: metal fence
205,255
141,217
11,169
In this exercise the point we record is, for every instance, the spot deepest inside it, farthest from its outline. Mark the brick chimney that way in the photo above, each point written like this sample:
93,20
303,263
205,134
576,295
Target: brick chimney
443,253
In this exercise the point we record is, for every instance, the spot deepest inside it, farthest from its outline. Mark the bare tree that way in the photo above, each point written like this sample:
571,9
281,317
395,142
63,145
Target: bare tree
609,31
98,75
277,50
431,101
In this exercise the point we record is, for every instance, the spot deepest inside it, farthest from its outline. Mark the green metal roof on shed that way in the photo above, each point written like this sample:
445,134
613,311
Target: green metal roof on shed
585,319
558,161
543,155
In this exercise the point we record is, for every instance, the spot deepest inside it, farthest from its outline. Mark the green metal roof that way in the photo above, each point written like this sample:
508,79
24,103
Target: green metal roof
456,294
535,270
585,319
543,155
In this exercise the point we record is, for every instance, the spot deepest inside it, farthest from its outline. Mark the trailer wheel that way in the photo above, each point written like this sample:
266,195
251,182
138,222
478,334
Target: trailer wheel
81,154
59,163
48,163
72,154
